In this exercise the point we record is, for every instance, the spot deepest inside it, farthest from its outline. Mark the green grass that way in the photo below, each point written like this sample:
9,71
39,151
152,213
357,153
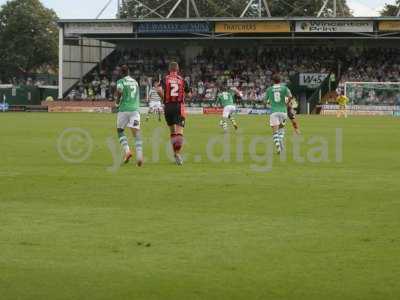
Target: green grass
206,230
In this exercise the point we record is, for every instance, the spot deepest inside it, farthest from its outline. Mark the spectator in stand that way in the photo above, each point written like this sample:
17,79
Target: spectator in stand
372,65
250,70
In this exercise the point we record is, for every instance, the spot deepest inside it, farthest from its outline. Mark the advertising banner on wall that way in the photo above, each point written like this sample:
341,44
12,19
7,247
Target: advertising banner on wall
194,110
252,27
174,27
334,26
239,111
79,106
71,29
82,109
389,26
4,106
212,110
260,111
361,110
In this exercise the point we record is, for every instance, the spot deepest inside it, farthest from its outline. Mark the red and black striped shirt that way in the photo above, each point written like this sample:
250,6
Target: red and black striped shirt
175,88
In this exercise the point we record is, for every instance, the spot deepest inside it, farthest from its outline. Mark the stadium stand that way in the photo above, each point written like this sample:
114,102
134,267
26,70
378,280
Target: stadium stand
249,70
372,65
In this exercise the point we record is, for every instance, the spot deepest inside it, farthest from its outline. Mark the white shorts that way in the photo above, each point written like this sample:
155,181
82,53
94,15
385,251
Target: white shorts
155,105
278,118
128,119
228,110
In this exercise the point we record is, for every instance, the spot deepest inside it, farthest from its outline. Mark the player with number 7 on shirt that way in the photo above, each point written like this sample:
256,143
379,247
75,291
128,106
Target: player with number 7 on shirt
173,90
128,104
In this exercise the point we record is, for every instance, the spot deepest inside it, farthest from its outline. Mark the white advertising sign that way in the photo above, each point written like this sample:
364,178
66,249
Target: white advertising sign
97,28
312,79
334,26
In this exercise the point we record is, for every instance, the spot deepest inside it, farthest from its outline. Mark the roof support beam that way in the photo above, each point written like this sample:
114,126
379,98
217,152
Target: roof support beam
335,8
259,8
104,8
267,9
174,8
322,8
187,9
152,11
246,9
196,10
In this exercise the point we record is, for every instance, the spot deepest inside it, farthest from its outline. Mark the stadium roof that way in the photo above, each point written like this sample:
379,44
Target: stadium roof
231,28
63,21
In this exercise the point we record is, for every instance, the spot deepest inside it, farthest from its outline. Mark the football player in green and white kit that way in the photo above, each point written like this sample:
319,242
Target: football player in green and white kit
278,96
226,99
128,104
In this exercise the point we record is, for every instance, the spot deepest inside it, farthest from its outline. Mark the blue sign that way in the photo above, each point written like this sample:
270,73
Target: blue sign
396,113
4,106
174,27
260,111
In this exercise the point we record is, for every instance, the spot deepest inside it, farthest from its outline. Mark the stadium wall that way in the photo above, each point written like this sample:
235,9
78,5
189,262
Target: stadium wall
362,110
108,107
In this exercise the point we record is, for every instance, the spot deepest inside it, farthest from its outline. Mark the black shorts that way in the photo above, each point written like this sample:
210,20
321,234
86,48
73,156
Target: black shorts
291,114
175,113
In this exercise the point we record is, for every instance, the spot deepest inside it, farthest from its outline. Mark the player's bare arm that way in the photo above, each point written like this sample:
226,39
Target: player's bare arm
118,96
188,91
237,92
216,100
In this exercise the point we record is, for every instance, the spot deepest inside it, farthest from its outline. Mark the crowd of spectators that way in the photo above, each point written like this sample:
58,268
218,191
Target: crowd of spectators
370,93
250,70
372,65
29,81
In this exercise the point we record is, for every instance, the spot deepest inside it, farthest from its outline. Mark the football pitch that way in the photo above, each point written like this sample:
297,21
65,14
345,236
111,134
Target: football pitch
235,222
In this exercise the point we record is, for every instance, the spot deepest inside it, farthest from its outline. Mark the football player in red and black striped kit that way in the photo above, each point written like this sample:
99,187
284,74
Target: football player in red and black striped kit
173,90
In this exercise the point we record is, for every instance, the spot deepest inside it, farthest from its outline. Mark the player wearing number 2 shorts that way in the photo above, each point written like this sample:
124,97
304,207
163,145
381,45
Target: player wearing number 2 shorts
278,96
173,91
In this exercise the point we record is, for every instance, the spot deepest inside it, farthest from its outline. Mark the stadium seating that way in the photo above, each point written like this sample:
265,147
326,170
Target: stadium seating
372,65
250,70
